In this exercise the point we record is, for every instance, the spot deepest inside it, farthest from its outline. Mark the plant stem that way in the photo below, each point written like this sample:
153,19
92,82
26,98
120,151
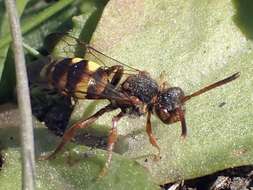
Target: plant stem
27,142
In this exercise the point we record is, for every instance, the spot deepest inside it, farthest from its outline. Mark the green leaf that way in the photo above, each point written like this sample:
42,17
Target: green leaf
75,169
195,43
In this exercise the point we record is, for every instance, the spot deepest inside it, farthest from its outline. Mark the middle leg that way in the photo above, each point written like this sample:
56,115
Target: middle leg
111,142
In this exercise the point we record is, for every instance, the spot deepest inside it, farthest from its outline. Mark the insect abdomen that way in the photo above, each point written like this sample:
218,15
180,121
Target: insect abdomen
77,77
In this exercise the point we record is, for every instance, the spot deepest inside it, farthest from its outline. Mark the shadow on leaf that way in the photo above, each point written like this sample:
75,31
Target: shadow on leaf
243,17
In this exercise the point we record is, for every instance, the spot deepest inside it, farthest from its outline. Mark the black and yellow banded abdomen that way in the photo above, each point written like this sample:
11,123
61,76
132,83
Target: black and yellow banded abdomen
78,78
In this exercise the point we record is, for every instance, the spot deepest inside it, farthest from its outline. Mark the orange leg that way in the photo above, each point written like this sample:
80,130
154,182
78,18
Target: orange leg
69,134
182,121
111,142
152,138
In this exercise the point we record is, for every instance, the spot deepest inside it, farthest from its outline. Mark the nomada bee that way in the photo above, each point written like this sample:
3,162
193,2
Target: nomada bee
128,89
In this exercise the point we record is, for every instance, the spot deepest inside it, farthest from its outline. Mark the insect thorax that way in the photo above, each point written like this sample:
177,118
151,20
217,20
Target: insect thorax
141,86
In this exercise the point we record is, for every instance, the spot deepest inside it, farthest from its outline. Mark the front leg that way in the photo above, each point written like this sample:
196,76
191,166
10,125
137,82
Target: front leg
182,121
152,138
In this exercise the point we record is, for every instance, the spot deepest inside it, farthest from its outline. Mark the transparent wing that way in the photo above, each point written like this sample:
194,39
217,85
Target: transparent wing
70,46
110,93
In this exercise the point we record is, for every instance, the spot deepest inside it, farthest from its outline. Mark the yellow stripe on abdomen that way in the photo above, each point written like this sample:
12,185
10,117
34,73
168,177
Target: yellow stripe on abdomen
76,60
92,66
82,86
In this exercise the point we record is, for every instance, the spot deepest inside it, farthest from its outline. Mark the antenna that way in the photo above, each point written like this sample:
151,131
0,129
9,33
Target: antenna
212,86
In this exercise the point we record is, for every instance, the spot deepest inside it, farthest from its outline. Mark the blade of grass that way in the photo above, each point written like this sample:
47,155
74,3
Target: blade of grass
32,51
38,19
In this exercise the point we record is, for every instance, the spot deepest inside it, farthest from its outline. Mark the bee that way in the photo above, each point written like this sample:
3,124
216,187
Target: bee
132,91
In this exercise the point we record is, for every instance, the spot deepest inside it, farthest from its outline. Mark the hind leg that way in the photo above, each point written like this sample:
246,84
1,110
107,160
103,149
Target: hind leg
69,134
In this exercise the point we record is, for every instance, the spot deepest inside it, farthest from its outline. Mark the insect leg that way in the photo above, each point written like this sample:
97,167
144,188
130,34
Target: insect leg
152,138
162,82
111,142
118,73
69,134
183,123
